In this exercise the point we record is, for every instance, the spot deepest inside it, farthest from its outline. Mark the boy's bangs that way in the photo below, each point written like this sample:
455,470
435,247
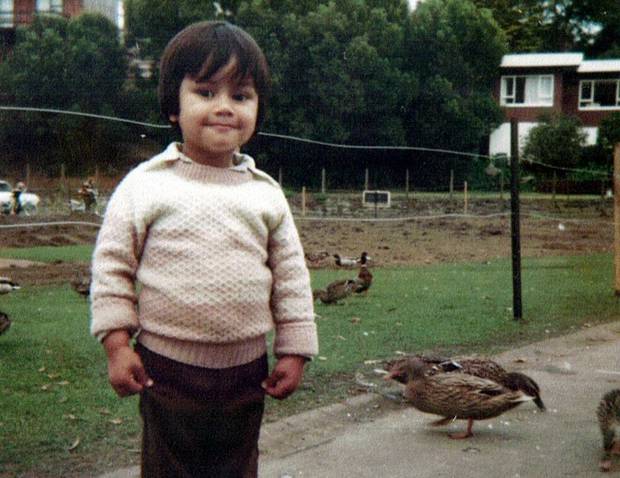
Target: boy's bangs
244,67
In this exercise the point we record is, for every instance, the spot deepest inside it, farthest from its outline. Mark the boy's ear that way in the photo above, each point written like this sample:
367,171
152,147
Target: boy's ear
173,118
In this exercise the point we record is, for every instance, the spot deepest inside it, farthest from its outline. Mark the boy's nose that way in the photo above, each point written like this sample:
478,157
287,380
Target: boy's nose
223,105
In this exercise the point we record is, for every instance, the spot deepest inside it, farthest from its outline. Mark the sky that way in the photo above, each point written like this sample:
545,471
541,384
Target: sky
413,3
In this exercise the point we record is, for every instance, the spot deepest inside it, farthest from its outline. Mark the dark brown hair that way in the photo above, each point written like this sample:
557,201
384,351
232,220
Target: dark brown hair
199,51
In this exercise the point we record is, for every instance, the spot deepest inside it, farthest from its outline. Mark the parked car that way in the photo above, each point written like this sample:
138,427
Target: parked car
28,201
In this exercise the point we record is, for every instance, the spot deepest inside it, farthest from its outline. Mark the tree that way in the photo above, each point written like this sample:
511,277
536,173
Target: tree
454,48
609,131
556,142
521,21
76,65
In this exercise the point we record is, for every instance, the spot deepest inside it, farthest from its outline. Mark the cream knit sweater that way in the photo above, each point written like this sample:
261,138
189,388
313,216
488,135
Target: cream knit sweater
202,262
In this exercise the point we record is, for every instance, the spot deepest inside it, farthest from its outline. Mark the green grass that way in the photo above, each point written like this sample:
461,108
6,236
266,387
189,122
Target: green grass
80,253
53,380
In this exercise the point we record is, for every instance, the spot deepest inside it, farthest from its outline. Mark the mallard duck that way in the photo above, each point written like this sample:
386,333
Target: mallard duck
5,323
364,279
342,261
483,368
81,284
334,291
7,285
454,395
608,414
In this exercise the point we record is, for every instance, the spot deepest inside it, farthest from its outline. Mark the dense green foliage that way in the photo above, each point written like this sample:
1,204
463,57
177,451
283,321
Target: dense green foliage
366,72
556,141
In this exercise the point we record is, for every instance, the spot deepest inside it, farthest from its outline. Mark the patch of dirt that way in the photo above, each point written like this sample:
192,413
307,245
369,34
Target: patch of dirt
435,235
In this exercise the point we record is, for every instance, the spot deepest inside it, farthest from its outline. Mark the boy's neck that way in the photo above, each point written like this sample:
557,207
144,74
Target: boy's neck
217,161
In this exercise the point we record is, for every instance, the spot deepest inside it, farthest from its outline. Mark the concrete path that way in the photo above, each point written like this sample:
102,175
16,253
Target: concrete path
371,436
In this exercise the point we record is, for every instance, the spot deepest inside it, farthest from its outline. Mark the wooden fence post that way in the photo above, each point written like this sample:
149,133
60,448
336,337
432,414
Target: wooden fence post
465,200
303,200
280,176
617,217
323,181
366,180
451,183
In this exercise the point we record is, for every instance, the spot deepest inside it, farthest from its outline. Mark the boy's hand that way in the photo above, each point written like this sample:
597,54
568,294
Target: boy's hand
125,369
285,376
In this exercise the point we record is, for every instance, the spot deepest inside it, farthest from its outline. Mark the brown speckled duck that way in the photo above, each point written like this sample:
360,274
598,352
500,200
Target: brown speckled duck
364,277
454,395
483,368
335,291
5,323
608,414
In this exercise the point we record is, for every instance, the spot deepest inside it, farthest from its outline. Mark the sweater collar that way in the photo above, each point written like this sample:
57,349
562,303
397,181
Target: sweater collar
241,162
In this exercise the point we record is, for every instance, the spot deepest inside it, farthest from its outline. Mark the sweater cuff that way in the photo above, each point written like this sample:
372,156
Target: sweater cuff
111,316
296,338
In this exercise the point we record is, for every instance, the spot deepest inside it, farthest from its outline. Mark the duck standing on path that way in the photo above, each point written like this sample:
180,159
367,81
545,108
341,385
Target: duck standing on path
608,414
454,395
483,368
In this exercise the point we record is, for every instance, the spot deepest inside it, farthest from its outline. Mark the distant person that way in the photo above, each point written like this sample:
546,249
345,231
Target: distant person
19,188
212,242
88,193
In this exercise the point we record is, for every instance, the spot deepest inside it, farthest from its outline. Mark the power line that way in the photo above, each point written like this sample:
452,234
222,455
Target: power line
260,133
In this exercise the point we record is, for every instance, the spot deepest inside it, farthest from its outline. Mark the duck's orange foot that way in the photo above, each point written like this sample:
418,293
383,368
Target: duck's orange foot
605,465
460,436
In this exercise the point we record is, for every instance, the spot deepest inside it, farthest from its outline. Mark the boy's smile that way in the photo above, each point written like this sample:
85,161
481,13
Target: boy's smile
217,115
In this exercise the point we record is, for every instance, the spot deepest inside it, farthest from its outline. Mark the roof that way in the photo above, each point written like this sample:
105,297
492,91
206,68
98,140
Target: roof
599,66
528,60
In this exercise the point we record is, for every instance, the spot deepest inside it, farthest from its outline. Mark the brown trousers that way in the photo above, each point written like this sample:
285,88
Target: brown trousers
200,422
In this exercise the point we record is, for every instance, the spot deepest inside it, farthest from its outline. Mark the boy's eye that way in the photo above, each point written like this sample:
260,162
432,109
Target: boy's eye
206,93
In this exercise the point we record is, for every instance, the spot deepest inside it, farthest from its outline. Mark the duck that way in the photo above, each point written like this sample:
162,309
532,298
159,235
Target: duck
351,262
335,291
608,414
454,395
482,367
364,277
81,284
316,259
5,323
7,285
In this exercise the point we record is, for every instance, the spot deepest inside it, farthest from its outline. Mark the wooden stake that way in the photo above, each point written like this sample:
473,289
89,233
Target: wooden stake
451,183
323,181
366,180
617,216
465,197
407,186
303,201
280,176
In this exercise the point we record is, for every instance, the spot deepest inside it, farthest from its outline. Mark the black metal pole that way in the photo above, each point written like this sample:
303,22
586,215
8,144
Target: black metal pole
514,208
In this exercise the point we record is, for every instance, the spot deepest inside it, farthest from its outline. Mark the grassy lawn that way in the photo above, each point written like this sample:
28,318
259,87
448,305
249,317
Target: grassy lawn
59,416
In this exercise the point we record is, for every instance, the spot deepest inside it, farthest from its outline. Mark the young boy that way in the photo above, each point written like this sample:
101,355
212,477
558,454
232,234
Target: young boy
212,244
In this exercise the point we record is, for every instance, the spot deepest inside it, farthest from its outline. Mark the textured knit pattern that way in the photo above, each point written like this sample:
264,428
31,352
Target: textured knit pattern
218,260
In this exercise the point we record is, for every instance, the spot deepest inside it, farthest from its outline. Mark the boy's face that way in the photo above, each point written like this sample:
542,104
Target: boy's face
216,116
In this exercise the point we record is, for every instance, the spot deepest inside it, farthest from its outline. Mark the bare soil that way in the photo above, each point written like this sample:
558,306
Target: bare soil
427,233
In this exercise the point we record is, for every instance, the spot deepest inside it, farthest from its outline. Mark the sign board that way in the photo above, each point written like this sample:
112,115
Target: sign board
376,198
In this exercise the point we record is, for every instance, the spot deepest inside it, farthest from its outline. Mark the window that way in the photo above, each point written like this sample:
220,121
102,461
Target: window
599,94
527,90
49,6
6,14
